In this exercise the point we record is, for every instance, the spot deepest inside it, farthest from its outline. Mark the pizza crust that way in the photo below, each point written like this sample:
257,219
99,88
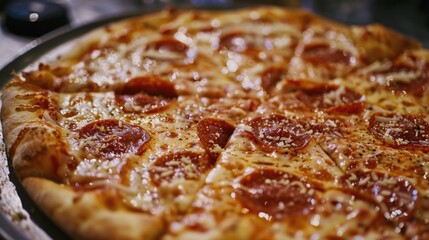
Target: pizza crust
32,138
85,216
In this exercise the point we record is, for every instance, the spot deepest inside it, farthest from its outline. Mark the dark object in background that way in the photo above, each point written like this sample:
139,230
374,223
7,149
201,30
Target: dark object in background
3,4
346,11
34,18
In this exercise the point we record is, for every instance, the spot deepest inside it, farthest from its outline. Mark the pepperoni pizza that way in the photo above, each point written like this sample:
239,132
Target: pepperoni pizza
258,123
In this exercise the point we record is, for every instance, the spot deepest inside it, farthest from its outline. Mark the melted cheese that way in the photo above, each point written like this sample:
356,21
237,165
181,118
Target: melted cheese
397,77
48,118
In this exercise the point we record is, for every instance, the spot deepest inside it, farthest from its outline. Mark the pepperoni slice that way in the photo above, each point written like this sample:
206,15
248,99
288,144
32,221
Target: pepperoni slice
242,42
141,103
327,97
112,138
214,134
403,79
400,130
236,42
323,54
170,50
396,197
406,75
277,194
181,165
278,133
151,85
271,76
95,51
169,45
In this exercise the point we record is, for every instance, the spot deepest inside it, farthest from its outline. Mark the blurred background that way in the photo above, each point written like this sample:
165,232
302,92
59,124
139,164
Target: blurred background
22,21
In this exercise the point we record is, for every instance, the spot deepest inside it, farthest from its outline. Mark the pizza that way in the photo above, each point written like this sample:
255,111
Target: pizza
254,123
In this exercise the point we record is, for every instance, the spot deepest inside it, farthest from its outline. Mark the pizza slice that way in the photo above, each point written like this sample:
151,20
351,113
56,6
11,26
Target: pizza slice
247,46
129,161
39,153
330,50
384,157
405,76
379,150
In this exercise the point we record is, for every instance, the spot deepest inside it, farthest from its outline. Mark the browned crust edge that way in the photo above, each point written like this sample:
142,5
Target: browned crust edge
84,216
